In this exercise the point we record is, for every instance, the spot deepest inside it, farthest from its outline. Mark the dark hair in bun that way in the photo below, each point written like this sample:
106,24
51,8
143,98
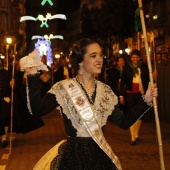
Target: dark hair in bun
78,50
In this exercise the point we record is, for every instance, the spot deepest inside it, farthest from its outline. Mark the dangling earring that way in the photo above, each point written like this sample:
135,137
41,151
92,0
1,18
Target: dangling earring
81,69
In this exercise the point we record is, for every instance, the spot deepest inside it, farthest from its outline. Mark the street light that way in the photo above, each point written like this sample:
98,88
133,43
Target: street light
2,56
120,51
57,56
127,50
8,42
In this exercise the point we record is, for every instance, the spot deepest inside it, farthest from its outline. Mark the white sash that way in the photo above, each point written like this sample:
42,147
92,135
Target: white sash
89,120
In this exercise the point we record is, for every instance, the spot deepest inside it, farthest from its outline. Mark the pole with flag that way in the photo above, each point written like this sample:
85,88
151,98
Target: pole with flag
152,82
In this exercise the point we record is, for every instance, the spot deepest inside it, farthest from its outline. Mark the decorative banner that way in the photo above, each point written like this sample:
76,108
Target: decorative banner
43,19
46,37
49,1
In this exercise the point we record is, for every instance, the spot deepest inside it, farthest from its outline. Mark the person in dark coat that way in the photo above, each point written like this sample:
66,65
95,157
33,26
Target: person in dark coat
5,95
114,75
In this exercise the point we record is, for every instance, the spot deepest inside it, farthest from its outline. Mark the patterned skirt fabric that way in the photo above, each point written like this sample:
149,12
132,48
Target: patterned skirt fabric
81,154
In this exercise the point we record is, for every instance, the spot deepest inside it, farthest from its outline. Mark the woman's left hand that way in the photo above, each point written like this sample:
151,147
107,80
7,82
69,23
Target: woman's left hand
151,92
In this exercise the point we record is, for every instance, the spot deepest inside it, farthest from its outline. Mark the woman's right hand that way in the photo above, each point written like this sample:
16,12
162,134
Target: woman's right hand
31,70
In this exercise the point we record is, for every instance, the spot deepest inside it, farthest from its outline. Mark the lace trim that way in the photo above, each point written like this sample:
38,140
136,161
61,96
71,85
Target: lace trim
32,60
104,105
28,100
148,103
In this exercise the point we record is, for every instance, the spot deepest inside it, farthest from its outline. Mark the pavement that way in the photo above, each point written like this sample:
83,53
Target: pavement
28,148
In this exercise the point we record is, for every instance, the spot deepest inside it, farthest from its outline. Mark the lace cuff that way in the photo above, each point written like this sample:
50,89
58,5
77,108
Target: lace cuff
148,103
32,60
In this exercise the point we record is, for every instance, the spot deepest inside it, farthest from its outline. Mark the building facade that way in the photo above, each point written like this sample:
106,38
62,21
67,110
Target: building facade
10,26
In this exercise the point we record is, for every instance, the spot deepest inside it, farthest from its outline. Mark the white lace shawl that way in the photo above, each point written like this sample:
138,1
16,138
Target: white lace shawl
104,105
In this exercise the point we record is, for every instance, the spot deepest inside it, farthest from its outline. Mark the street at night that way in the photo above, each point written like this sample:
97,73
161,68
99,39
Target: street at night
98,61
28,148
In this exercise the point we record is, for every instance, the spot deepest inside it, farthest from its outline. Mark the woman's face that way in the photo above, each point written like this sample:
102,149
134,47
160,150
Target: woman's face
93,59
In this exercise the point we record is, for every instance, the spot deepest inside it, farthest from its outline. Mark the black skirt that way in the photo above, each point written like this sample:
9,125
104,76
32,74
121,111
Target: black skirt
81,154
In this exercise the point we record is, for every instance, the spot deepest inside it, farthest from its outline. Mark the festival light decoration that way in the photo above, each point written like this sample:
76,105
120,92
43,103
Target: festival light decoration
43,45
49,1
44,48
47,37
43,19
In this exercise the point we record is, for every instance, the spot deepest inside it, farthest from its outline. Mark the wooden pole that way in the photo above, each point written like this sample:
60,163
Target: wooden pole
152,82
12,101
7,56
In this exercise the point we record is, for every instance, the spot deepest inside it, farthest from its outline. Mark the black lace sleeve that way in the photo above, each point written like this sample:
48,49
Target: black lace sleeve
39,106
124,121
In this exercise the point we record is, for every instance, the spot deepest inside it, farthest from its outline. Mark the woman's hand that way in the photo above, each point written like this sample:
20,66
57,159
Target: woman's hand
151,92
31,70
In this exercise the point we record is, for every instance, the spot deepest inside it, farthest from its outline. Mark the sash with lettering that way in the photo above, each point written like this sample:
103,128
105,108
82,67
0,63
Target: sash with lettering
85,112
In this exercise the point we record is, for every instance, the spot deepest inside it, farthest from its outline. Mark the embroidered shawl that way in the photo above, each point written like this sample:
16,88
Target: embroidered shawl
104,105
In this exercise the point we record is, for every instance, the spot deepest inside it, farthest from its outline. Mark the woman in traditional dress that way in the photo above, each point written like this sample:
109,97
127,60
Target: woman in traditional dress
86,103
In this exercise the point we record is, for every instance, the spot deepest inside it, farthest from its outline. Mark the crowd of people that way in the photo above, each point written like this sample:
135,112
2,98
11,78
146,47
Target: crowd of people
124,95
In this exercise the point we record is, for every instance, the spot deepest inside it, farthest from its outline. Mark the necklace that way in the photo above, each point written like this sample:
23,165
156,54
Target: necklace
89,96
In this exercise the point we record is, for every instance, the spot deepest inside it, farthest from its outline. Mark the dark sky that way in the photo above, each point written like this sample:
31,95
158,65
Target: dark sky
62,6
67,6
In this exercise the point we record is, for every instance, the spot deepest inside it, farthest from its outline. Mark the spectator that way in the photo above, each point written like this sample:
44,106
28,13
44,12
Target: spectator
114,75
135,78
45,77
5,104
54,69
